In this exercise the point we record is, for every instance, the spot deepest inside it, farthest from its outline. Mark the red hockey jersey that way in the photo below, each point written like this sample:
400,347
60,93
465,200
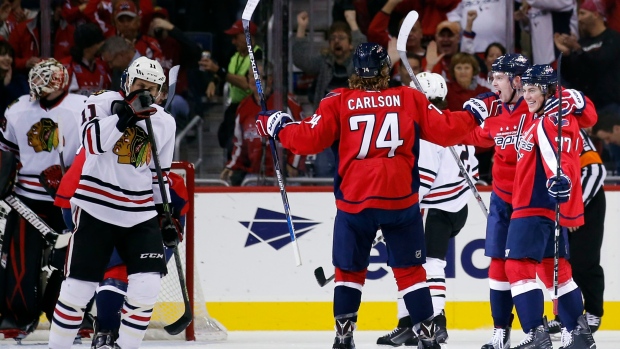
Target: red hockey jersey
537,163
502,131
377,136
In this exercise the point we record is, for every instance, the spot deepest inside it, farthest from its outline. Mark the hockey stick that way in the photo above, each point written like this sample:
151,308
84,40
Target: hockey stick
401,47
188,316
558,228
172,85
319,273
49,234
247,15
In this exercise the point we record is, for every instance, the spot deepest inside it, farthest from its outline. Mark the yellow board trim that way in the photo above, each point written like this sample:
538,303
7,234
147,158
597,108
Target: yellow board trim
377,316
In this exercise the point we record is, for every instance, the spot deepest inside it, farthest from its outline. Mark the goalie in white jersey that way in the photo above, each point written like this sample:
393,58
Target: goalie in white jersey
115,206
444,193
39,129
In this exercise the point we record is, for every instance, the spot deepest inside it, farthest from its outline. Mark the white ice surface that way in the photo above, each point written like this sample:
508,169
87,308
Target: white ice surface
323,340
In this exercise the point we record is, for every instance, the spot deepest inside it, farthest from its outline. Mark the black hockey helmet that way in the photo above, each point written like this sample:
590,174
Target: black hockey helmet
541,75
369,58
513,64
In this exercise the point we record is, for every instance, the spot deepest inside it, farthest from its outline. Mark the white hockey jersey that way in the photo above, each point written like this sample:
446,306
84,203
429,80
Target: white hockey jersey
441,184
119,184
32,133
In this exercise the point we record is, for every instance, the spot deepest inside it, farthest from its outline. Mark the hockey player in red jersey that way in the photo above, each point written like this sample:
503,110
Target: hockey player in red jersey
375,133
502,131
31,130
444,194
538,187
115,206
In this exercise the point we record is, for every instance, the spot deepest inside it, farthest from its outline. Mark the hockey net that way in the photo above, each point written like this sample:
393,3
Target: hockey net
170,305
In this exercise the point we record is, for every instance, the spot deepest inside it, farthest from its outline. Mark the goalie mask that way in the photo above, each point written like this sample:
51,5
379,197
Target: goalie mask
46,77
146,69
369,59
433,84
541,75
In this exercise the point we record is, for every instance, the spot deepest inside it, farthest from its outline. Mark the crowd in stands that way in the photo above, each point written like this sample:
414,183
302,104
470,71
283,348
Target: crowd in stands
97,39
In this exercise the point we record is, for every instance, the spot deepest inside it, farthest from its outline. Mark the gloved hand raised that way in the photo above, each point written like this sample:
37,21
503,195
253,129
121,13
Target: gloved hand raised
135,107
271,122
573,101
483,106
559,188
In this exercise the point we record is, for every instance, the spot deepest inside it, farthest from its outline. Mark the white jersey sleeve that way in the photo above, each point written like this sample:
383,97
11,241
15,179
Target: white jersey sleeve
428,163
119,184
449,191
35,134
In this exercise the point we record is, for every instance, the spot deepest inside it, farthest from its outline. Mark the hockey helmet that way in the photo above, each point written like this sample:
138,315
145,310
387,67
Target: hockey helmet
46,77
433,84
369,59
145,69
541,75
513,64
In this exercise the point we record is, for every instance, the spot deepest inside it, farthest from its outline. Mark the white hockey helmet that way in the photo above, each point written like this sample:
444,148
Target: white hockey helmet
145,69
46,77
433,84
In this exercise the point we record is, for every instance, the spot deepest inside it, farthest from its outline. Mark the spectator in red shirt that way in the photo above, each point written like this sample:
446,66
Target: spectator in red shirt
26,40
464,68
87,72
127,23
11,14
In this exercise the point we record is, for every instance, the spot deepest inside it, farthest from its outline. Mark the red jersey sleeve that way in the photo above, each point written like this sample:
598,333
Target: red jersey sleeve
588,117
378,29
443,128
479,137
69,183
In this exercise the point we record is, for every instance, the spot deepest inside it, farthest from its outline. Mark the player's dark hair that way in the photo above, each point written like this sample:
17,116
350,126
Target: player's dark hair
377,83
606,122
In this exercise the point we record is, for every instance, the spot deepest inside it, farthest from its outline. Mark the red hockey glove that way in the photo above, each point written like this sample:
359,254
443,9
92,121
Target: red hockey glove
573,101
135,107
171,231
271,122
50,179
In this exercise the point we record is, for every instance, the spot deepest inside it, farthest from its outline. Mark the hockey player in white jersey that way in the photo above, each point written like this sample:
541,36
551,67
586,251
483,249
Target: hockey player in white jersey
35,128
444,194
115,206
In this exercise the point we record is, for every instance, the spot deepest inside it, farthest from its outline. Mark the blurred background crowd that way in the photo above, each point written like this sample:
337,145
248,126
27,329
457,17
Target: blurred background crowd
216,99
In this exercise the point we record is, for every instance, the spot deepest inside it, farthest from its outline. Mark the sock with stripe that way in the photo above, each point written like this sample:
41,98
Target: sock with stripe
499,294
526,294
136,313
436,280
69,312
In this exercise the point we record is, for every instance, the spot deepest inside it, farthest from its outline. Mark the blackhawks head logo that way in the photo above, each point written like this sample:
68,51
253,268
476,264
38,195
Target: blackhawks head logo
133,147
43,135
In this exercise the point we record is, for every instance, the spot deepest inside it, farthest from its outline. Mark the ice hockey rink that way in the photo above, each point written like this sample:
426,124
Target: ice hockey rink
322,340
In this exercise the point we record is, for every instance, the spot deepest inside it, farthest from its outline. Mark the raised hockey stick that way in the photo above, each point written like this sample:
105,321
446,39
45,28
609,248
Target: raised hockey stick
401,47
188,315
558,228
247,15
319,273
172,85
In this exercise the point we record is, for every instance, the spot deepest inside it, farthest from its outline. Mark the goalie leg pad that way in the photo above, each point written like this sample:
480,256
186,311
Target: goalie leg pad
142,294
69,311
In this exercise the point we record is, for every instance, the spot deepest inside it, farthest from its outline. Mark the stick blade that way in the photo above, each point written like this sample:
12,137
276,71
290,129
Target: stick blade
249,10
180,325
319,274
173,74
405,29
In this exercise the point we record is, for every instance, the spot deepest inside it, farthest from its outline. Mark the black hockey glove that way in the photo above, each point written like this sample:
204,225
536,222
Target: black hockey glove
135,107
171,231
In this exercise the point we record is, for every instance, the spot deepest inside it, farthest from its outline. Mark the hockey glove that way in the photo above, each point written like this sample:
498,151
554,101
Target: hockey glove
559,188
135,107
483,106
271,122
171,231
50,179
573,101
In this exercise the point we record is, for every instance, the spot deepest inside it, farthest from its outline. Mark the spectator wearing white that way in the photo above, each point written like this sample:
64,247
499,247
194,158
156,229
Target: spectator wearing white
488,27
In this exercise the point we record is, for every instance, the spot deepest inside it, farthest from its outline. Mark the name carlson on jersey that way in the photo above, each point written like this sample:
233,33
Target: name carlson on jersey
374,102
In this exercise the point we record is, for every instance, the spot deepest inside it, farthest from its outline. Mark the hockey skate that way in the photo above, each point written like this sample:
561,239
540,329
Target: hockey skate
427,332
402,334
555,326
578,338
104,340
593,321
441,333
537,338
500,338
344,334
